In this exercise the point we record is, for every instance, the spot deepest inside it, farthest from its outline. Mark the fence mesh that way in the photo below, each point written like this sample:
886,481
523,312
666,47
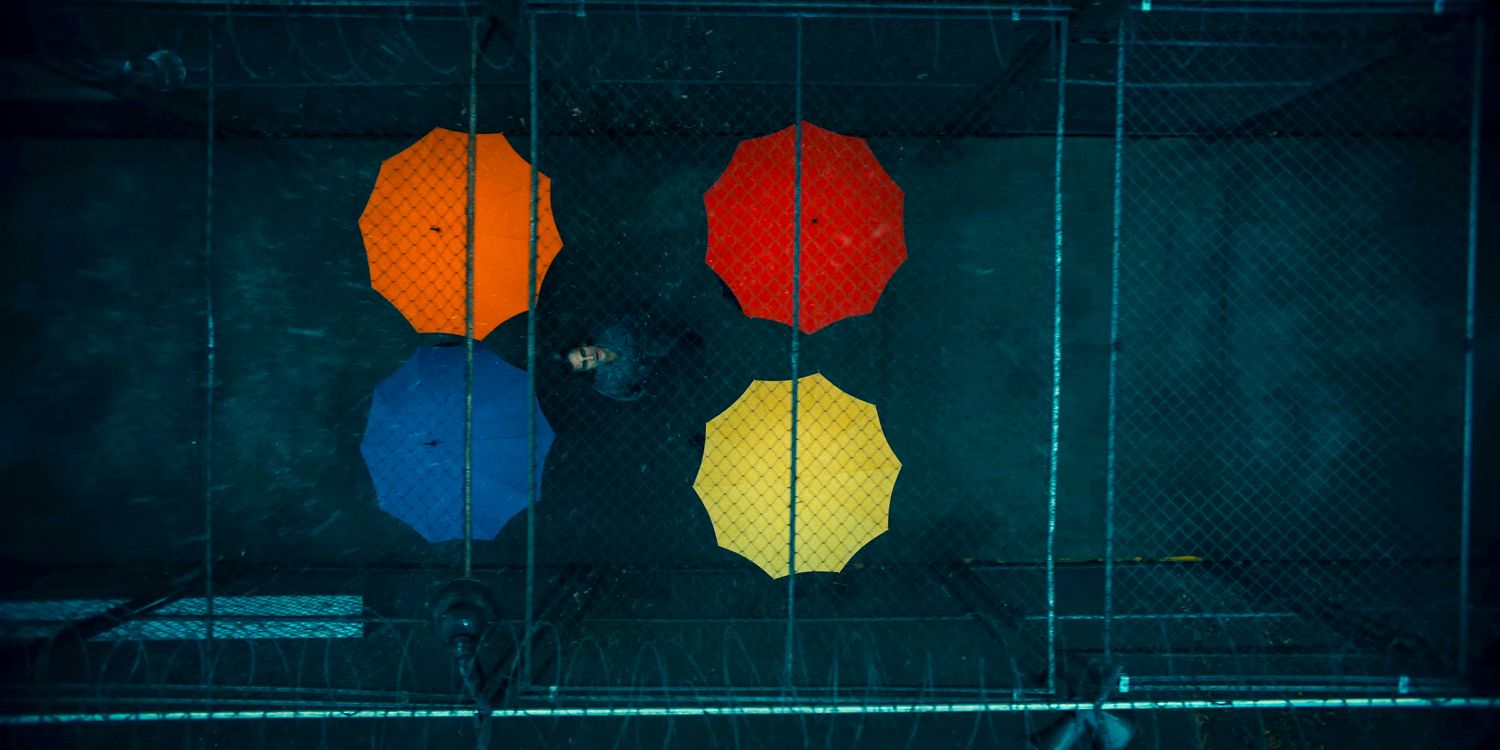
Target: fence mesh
1291,326
961,360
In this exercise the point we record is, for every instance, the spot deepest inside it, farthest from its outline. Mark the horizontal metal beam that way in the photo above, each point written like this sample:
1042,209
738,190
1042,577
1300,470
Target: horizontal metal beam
403,9
788,709
1356,7
712,7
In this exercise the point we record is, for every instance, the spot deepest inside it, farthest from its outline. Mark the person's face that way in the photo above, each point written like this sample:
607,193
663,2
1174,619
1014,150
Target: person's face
586,358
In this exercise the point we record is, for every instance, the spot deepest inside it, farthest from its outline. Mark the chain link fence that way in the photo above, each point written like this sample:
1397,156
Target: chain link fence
961,360
1290,346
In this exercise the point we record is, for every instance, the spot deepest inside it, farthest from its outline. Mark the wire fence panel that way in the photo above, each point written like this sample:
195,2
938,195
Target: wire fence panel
1290,346
754,192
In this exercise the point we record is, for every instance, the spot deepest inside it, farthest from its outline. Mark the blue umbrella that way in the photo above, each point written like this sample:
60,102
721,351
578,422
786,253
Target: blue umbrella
414,443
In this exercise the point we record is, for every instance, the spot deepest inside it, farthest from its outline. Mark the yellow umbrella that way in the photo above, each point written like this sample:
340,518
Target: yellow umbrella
845,472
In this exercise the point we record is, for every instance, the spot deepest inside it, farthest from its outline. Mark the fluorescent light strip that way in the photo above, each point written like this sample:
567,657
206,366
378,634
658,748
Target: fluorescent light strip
281,617
187,630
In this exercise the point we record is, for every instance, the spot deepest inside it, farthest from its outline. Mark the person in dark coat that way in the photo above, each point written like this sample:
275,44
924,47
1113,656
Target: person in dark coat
622,353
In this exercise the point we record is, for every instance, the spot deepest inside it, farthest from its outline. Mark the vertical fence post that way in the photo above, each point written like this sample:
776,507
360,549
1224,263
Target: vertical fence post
1061,37
1468,461
791,545
469,169
1114,350
209,347
534,126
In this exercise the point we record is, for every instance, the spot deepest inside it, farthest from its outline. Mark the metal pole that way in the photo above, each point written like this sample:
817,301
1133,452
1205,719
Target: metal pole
1062,67
210,346
470,165
789,7
791,544
1114,352
786,709
534,125
1468,467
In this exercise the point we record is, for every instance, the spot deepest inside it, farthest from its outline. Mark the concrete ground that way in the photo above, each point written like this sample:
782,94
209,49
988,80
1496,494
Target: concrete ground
105,281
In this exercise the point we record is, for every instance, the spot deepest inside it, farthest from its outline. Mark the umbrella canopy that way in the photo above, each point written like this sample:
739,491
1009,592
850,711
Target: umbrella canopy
852,235
415,230
414,443
845,473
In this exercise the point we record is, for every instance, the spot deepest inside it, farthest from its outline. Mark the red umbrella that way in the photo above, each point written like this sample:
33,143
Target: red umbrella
852,237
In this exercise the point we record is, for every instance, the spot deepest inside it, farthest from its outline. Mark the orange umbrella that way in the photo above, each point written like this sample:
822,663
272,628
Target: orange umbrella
414,229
